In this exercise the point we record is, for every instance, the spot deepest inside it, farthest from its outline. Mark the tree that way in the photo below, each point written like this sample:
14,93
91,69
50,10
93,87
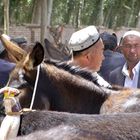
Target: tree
109,13
138,23
6,16
43,20
36,15
49,12
100,12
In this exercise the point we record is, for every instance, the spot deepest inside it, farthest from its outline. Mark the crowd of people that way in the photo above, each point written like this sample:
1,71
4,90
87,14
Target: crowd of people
98,52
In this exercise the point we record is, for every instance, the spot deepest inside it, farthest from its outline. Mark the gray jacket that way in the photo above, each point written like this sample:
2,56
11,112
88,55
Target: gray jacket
117,78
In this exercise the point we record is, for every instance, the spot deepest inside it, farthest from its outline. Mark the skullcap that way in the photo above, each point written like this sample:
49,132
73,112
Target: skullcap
132,32
83,38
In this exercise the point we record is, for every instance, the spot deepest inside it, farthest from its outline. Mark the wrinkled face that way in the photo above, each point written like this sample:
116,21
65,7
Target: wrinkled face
92,57
96,56
130,47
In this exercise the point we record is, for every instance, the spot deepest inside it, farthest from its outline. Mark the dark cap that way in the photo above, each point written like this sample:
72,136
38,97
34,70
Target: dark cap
109,40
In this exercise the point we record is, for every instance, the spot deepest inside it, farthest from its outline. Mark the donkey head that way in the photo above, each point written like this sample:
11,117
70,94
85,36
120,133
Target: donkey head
26,67
26,63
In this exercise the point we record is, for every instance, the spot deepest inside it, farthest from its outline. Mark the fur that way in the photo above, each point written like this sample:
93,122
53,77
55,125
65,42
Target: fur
101,127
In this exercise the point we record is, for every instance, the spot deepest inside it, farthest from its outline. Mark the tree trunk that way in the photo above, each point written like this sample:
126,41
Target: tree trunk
100,13
43,20
130,21
36,16
77,8
6,17
138,24
70,8
49,13
80,11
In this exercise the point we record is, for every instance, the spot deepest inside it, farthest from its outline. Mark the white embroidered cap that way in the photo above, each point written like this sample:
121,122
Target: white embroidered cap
83,38
132,32
1,45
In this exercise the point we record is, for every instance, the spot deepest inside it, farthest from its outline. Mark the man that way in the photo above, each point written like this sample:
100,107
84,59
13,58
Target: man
87,48
128,75
5,69
5,65
112,59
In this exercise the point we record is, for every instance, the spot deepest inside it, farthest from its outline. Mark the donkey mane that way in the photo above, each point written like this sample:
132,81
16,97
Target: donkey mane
89,78
81,78
75,70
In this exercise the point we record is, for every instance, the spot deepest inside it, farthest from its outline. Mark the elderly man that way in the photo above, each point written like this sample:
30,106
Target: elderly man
87,48
128,75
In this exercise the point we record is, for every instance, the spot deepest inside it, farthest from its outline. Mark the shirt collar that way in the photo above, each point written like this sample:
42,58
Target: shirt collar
135,69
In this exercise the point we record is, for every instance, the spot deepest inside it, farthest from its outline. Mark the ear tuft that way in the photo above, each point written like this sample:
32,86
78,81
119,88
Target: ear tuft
37,54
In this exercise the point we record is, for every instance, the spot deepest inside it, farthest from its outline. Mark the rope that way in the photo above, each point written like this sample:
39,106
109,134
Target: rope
35,87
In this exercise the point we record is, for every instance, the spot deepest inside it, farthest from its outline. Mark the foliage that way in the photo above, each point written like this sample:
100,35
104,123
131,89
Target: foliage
116,13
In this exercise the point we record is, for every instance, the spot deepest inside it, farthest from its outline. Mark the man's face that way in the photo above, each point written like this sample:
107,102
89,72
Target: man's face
96,56
130,47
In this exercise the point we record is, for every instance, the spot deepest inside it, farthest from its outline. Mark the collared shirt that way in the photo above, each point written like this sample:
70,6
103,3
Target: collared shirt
128,81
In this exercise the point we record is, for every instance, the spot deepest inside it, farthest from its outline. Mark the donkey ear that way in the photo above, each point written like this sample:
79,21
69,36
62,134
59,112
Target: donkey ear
37,54
14,50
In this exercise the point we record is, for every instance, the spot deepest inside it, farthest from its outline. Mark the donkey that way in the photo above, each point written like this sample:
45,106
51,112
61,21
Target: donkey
60,87
56,54
51,124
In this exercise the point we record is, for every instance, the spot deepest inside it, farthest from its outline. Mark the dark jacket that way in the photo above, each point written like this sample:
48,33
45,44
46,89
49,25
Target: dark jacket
117,78
112,61
5,69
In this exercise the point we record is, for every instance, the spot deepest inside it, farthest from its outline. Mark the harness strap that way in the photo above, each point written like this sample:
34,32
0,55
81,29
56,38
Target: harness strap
35,87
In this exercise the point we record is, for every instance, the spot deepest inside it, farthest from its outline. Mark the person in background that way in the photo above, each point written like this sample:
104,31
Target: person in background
5,65
128,75
5,68
87,48
112,59
22,43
